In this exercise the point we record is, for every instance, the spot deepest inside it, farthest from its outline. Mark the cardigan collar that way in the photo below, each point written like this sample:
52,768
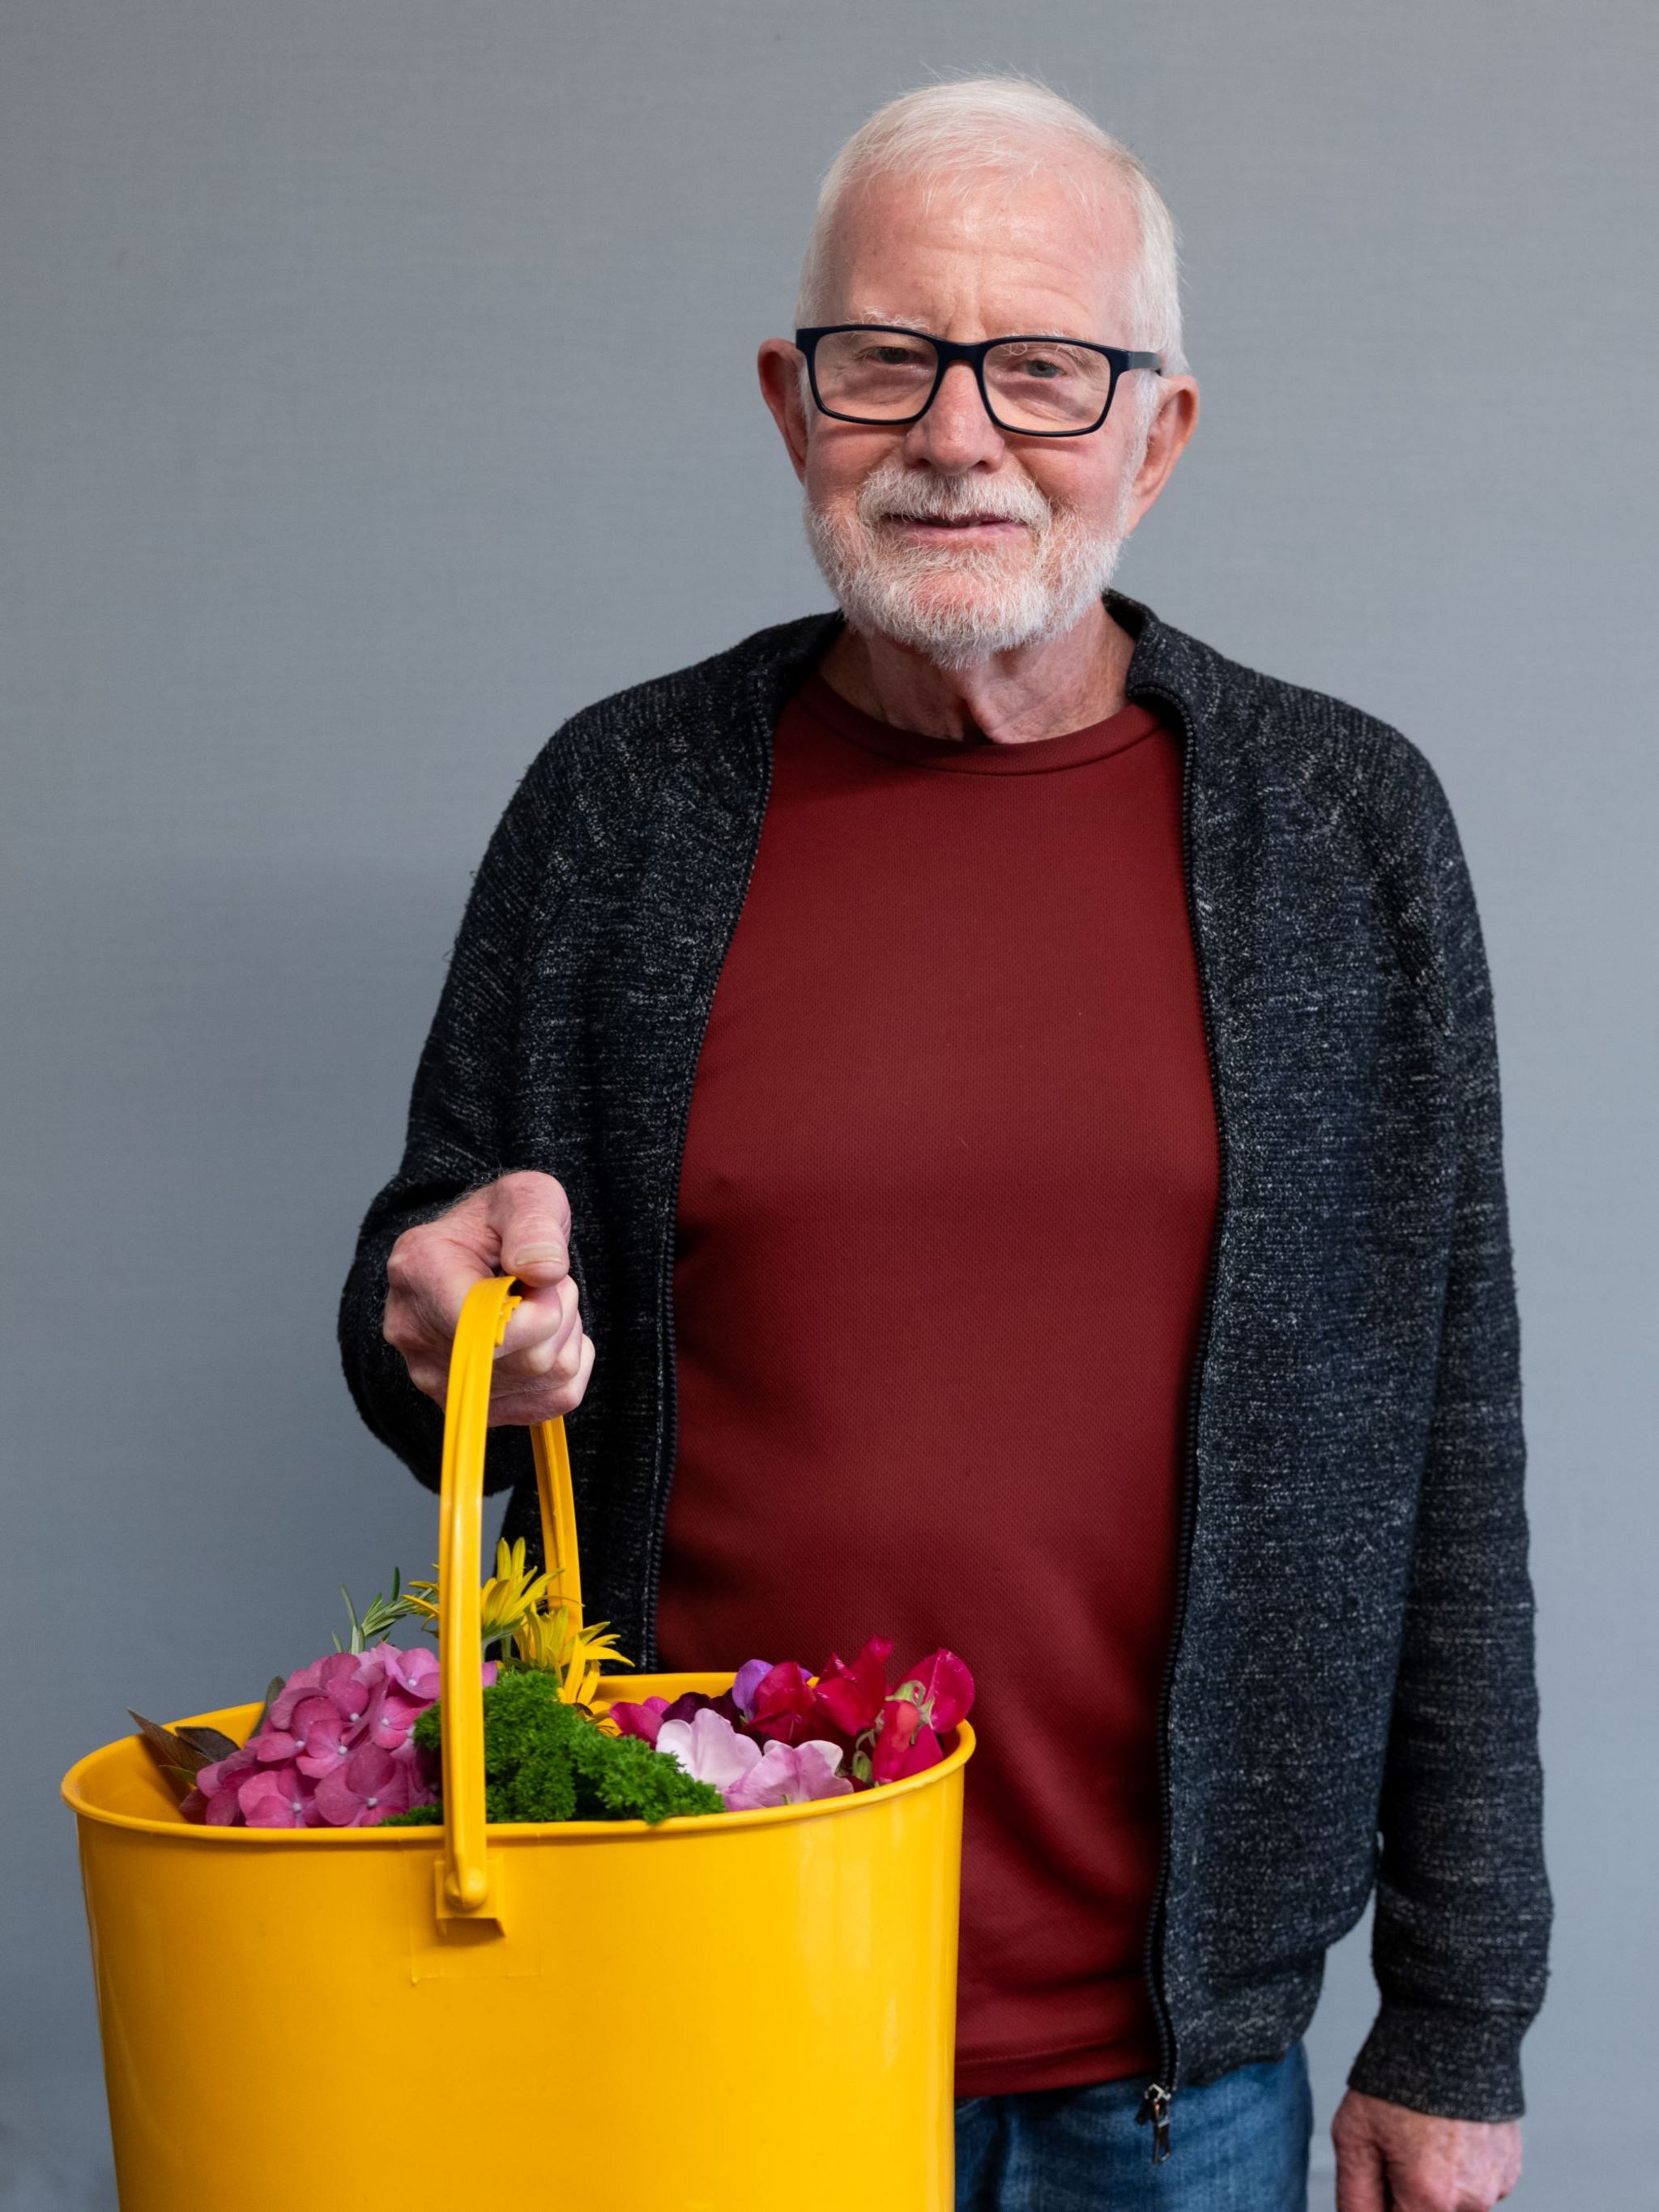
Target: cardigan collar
1166,668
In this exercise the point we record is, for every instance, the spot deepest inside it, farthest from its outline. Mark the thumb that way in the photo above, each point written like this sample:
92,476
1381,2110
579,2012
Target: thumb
530,1216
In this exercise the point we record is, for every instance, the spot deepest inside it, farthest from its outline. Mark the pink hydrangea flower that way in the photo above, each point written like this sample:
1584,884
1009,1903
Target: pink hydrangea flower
413,1674
372,1784
276,1797
335,1750
303,1682
218,1788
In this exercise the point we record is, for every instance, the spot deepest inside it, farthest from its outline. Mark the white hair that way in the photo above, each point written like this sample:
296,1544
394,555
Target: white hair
1012,126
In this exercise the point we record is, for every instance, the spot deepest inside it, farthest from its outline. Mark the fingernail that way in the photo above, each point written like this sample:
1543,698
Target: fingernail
537,1255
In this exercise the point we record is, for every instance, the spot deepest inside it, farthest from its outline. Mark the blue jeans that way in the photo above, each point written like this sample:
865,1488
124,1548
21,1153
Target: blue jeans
1240,2145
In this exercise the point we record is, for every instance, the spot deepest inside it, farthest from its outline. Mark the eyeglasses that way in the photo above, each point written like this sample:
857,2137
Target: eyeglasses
1035,387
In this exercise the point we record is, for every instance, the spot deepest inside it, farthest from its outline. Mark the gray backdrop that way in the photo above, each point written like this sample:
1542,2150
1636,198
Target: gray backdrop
348,451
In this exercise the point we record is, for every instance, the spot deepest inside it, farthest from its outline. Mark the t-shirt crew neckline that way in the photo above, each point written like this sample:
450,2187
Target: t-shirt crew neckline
980,757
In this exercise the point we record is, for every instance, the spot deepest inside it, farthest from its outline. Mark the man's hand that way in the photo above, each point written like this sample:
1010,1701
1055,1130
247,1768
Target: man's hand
1391,2159
518,1225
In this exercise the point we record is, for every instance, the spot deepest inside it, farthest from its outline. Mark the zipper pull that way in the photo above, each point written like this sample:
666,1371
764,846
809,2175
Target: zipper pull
1155,2111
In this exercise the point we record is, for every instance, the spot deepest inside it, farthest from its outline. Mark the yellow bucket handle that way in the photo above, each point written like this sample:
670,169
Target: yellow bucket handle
466,1874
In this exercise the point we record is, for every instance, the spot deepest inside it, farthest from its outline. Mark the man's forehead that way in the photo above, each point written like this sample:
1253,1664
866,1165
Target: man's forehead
1063,323
990,244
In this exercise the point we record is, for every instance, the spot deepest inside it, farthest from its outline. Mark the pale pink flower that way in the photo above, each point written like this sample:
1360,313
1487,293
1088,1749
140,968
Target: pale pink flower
709,1747
790,1774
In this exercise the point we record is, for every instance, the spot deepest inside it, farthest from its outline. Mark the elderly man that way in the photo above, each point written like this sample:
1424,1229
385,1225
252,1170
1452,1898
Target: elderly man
1014,1094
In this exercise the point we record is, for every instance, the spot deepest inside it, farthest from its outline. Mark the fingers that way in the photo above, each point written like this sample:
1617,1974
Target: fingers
519,1224
1392,2158
428,1274
543,1398
1359,2184
1361,2172
543,1337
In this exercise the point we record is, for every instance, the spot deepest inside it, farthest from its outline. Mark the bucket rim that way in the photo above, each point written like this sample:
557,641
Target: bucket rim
73,1791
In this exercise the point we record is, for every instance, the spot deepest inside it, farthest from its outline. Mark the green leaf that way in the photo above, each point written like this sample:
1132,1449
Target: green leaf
179,1762
274,1689
211,1742
356,1643
380,1616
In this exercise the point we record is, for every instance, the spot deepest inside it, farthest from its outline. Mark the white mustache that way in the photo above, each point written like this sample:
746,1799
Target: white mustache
893,495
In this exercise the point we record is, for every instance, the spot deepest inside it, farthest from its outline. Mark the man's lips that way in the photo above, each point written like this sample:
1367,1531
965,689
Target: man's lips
979,525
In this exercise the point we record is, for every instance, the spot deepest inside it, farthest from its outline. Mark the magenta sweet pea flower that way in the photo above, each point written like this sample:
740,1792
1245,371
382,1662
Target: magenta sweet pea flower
904,1743
642,1720
942,1687
851,1697
783,1705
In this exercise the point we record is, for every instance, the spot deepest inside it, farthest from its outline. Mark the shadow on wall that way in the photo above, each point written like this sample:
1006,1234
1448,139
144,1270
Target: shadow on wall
208,1082
58,2177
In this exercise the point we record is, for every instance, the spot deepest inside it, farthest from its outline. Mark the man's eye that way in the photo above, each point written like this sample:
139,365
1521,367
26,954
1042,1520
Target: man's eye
891,357
1043,368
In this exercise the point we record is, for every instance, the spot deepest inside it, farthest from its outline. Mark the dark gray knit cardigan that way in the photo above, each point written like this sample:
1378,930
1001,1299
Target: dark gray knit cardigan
1351,1696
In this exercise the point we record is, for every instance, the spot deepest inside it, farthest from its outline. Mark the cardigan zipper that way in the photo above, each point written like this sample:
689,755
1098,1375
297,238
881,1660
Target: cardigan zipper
666,1274
1154,2108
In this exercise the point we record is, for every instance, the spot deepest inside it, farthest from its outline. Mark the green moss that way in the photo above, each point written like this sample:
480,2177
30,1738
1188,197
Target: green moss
545,1760
417,1816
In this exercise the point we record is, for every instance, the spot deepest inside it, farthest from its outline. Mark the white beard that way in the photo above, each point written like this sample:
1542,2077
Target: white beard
958,605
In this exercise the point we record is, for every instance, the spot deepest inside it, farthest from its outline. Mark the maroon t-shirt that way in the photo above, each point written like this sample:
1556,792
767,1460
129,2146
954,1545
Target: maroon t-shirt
948,1193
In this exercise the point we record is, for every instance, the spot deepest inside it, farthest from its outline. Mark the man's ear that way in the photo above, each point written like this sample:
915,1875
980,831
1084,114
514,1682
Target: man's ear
1172,426
780,367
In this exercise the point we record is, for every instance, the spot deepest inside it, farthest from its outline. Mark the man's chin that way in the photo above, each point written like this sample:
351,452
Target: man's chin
948,619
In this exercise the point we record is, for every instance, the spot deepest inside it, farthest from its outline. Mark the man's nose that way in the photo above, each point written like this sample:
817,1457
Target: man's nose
956,433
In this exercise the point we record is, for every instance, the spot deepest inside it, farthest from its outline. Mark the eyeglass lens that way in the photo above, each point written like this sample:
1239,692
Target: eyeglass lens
882,376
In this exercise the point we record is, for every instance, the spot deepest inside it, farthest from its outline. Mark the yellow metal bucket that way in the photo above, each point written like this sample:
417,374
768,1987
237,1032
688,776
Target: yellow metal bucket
749,2012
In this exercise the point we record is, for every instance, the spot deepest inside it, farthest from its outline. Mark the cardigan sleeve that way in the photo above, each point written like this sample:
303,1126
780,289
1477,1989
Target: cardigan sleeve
1462,1903
459,1135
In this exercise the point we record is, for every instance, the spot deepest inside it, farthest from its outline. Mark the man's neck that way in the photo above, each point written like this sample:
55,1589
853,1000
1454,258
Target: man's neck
1044,690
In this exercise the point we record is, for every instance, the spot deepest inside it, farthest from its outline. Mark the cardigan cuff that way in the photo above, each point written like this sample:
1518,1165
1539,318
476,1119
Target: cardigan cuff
1461,2065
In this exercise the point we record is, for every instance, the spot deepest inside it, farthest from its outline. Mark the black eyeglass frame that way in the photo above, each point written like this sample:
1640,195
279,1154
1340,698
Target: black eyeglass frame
949,352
